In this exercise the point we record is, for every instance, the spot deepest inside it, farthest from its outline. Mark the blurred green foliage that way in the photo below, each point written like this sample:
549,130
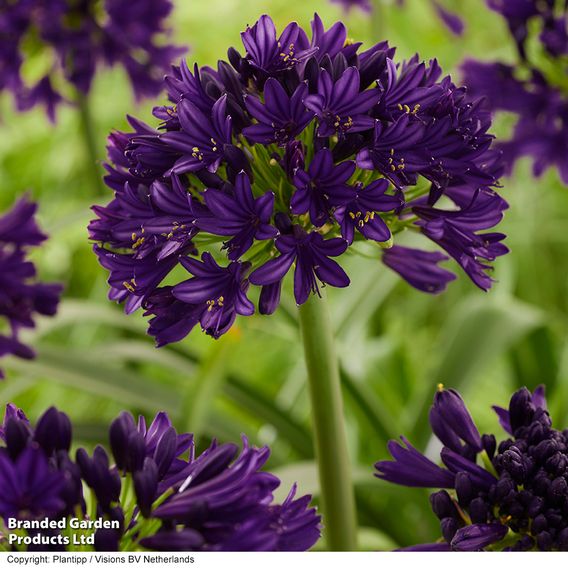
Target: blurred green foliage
394,343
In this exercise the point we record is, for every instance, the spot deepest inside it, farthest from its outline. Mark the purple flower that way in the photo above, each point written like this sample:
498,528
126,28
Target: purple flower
477,537
76,39
53,432
290,154
312,253
104,482
133,444
227,500
419,268
268,54
361,211
201,138
519,494
452,21
239,216
133,280
322,185
219,499
281,118
22,297
396,151
217,293
171,319
28,486
12,413
412,468
339,105
451,421
455,232
517,14
530,89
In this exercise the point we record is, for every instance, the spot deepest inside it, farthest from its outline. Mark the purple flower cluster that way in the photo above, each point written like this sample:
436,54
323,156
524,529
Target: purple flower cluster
518,501
75,37
282,159
160,494
22,297
535,89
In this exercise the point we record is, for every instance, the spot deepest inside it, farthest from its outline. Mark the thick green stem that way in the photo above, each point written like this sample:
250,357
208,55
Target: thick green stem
89,142
337,495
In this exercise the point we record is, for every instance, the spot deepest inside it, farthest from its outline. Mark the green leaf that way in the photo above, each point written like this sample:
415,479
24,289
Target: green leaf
370,407
143,351
83,371
72,312
474,336
251,399
535,360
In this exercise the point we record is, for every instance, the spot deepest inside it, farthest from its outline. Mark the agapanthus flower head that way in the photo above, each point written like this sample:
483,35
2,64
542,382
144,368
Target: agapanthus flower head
160,494
77,37
282,159
22,295
507,496
533,89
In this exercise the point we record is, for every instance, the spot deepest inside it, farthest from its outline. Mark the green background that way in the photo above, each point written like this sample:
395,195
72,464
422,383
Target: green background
395,344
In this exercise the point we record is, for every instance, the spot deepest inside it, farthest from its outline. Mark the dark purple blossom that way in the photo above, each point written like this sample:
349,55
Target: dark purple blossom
419,268
133,280
216,292
312,254
477,537
12,412
271,55
171,319
22,296
227,500
451,20
361,212
160,493
238,215
455,231
77,38
283,157
531,90
28,486
201,139
322,186
281,118
514,499
412,468
517,14
340,106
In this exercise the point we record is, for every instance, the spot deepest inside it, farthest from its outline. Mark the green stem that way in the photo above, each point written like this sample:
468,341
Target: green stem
337,495
89,140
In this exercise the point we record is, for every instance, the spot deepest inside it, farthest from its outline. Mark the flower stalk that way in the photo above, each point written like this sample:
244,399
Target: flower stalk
337,495
89,142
